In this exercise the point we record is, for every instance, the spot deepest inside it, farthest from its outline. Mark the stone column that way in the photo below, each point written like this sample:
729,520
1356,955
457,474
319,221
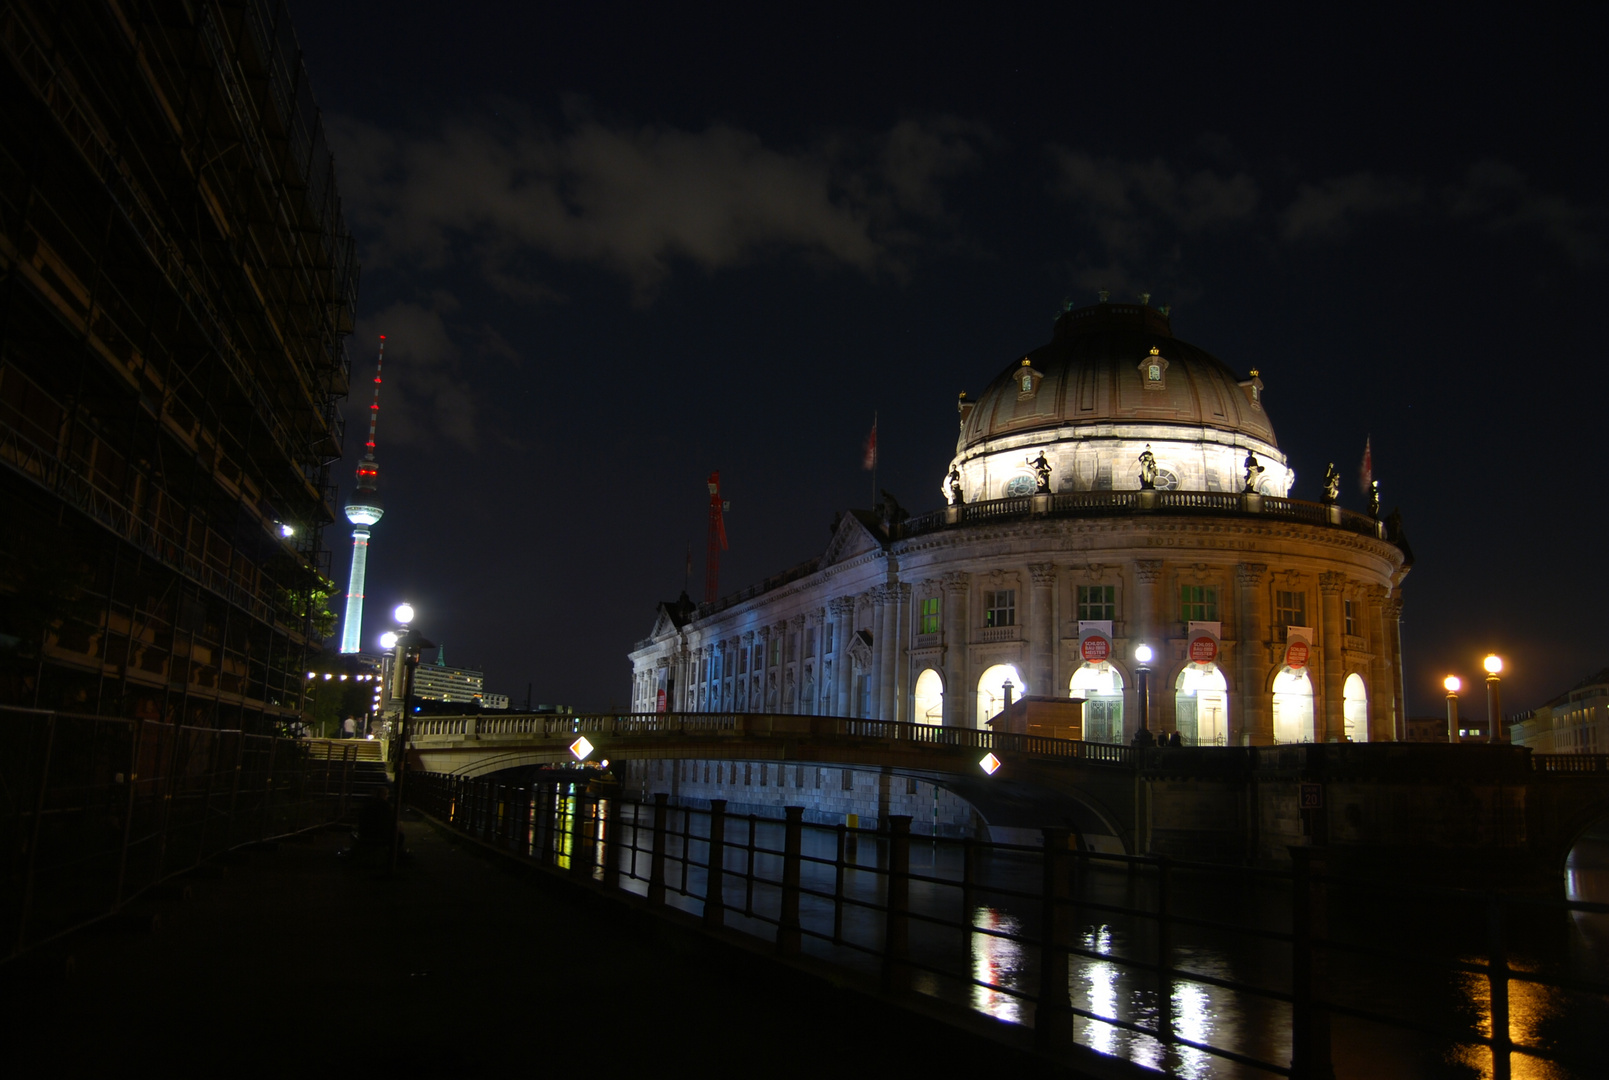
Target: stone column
890,700
795,667
843,670
1252,724
746,666
1334,715
1393,621
1042,630
1144,627
960,700
1382,726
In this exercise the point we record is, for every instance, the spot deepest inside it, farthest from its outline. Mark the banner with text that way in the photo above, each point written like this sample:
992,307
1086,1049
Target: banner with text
1202,643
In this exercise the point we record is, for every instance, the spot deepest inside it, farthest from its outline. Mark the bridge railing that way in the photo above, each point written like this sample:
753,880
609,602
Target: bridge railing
1570,763
813,888
432,730
99,809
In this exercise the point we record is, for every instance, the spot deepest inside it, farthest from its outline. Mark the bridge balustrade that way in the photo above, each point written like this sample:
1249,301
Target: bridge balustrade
733,872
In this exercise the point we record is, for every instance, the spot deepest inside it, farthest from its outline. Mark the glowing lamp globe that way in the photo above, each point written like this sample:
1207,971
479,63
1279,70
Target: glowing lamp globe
1494,664
388,640
1453,684
404,613
1143,654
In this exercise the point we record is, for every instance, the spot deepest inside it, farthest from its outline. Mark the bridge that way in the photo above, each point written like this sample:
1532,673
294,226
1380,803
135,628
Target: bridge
1471,812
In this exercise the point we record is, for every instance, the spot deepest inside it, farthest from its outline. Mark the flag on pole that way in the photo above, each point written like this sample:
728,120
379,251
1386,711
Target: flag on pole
869,462
1366,470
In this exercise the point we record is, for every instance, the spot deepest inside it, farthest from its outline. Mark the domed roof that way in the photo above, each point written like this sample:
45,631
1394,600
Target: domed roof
1116,363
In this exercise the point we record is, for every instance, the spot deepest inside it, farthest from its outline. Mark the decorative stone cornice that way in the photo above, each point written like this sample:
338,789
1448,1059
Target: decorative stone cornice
842,607
1250,575
957,581
1148,571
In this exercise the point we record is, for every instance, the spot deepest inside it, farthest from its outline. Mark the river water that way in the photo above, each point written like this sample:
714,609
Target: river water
1409,941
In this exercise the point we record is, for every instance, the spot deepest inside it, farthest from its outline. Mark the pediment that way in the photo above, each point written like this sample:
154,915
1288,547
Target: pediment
852,540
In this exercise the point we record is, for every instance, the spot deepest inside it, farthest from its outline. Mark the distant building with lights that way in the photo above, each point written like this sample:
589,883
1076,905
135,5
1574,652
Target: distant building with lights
1575,722
439,682
1113,487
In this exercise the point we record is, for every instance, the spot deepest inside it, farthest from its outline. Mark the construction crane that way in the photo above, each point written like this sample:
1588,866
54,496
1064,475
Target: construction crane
712,568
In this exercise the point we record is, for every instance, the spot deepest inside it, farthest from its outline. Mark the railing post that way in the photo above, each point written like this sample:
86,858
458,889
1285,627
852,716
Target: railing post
580,857
1310,1021
714,899
1053,1013
656,859
838,889
897,927
1164,965
614,849
1497,981
788,937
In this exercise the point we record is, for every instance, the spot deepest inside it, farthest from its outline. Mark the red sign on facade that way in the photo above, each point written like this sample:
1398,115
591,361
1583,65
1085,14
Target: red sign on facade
1296,654
1203,650
659,705
1095,649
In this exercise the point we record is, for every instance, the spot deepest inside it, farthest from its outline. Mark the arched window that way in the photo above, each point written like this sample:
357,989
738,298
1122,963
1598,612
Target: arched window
1355,707
928,707
992,694
1101,687
1201,705
1293,706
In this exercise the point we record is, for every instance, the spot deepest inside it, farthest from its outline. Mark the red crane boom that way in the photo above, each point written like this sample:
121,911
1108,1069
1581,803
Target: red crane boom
712,567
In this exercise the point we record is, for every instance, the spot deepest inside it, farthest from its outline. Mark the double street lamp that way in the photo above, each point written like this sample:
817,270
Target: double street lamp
1494,701
405,643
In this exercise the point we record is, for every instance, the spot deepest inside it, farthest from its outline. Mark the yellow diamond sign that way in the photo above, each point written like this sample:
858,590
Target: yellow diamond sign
989,763
581,748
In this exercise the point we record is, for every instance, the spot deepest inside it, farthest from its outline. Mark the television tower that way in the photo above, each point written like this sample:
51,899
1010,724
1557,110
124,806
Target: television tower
363,509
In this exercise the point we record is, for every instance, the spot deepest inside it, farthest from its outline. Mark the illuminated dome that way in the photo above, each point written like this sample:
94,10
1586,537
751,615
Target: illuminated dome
1113,381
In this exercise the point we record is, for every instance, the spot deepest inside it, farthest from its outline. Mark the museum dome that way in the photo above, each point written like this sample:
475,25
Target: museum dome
1113,381
1116,363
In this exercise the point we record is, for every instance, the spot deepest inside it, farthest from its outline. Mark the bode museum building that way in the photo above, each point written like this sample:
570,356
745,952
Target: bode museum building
1115,494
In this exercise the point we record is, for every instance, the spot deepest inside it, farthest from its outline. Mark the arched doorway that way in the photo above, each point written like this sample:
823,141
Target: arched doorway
1101,687
928,708
992,694
1355,708
1293,706
1201,705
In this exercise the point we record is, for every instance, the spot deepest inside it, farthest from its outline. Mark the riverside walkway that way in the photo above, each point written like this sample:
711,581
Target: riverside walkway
289,961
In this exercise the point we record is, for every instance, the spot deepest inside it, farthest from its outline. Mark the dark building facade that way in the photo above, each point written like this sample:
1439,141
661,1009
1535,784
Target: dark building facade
176,283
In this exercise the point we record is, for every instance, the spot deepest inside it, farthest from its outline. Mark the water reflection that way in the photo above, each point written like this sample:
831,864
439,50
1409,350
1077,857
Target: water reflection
996,960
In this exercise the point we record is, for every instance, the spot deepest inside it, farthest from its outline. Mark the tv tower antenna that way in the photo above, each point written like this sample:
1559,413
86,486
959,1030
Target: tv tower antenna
363,509
712,568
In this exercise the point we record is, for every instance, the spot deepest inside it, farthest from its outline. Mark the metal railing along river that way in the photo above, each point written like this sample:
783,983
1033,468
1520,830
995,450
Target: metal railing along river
98,809
1193,969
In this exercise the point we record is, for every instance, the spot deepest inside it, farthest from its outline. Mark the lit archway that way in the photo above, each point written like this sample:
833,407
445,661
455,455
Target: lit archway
928,707
992,694
1101,687
1293,706
1355,708
1201,705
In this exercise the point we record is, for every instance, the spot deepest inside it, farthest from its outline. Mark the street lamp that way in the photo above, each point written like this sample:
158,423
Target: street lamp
1142,657
407,642
1453,684
1494,700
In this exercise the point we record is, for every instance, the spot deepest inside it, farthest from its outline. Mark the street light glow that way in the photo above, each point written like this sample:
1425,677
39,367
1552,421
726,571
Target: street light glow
404,613
1142,653
1453,684
388,640
1494,664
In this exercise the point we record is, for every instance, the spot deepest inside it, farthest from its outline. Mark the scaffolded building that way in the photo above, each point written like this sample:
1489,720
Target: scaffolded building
176,282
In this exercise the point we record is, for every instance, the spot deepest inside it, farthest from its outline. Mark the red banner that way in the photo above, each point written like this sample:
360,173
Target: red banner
1203,649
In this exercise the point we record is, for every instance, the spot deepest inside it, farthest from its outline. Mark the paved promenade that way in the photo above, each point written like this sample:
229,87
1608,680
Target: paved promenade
293,963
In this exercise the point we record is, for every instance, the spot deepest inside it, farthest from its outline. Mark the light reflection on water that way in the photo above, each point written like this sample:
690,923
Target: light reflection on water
996,960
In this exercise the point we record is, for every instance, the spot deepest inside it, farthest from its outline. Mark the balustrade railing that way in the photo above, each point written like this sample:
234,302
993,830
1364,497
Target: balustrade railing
812,888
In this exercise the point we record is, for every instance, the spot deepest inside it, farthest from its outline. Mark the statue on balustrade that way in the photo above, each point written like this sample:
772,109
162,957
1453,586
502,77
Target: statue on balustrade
1332,485
1374,499
1041,469
956,498
1147,469
1253,471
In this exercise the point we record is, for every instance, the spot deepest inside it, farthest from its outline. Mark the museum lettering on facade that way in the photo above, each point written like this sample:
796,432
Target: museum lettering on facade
1114,487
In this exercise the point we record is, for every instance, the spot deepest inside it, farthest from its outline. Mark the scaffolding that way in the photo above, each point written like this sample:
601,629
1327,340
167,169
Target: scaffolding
176,284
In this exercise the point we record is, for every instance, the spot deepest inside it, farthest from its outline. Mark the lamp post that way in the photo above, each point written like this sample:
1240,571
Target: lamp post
407,642
1494,699
1142,657
1453,684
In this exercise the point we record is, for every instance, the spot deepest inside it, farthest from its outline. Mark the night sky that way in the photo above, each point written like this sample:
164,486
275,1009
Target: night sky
613,249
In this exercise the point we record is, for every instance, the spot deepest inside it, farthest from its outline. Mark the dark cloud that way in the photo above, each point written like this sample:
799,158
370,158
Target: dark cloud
635,199
426,398
1503,199
1330,208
